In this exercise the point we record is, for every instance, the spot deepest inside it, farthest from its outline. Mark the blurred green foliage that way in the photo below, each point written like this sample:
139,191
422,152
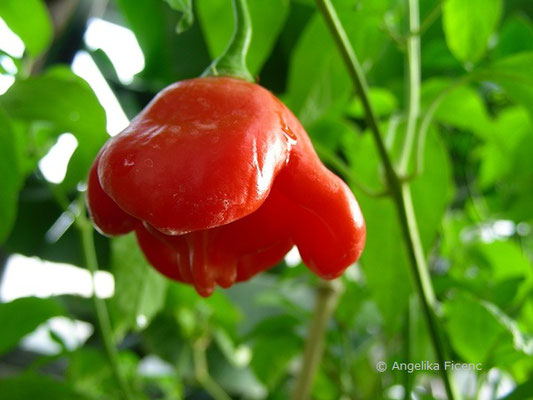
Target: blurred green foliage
477,177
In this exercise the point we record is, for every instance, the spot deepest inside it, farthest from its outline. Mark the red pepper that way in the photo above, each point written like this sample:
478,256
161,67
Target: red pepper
219,180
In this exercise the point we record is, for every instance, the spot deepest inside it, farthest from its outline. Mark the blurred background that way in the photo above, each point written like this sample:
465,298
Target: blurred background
73,72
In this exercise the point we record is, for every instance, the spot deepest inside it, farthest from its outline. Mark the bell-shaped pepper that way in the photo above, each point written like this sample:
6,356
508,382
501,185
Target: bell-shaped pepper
219,181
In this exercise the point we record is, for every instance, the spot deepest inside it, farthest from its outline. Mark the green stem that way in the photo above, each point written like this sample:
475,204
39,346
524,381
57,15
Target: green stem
201,371
428,118
428,21
413,64
233,61
326,301
400,192
85,228
408,382
390,136
86,231
356,73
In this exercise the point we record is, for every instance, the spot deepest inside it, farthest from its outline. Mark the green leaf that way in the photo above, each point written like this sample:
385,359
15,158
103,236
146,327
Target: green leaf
499,154
506,259
38,211
516,36
463,107
30,21
270,326
89,372
436,57
521,392
239,382
274,343
356,309
383,101
11,176
329,134
384,260
512,200
217,307
139,289
468,26
325,387
30,386
504,275
164,338
480,332
521,341
472,330
318,80
22,316
187,16
513,73
167,57
419,339
65,100
267,18
87,369
433,190
227,347
363,159
271,355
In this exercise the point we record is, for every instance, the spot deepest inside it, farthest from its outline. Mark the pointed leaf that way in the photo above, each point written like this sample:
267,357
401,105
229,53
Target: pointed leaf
468,26
22,316
139,290
66,101
30,386
11,176
187,16
513,73
30,21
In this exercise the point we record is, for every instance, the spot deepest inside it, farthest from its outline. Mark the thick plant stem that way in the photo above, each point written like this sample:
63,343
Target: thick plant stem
326,301
86,231
233,61
413,109
413,66
400,192
423,281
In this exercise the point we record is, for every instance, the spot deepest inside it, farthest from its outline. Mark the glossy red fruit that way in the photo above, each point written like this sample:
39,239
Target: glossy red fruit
219,180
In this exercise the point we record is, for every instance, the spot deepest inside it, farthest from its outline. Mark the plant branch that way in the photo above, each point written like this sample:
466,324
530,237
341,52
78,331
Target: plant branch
357,75
85,228
413,65
390,136
400,192
326,301
86,231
